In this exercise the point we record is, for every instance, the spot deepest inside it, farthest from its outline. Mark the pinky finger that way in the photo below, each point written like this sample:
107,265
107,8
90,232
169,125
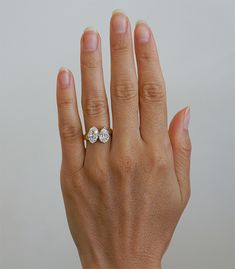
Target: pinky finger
181,145
69,123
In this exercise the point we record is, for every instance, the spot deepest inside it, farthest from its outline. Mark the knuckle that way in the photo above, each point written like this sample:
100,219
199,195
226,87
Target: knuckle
65,103
147,56
161,161
153,92
95,106
100,173
120,46
90,61
69,132
125,164
99,176
101,180
70,181
124,91
74,187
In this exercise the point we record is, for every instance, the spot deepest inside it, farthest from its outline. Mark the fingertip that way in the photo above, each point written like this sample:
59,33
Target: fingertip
63,69
178,132
186,118
89,40
181,145
139,22
119,22
64,77
90,29
115,11
142,32
181,120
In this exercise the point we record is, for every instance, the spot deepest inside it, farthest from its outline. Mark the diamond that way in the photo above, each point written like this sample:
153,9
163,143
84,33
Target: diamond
93,134
104,135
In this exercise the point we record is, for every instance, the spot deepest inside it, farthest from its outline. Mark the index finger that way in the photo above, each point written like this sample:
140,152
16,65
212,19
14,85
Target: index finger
69,122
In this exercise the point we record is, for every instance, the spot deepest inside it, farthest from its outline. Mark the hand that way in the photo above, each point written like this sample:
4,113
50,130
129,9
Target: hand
123,199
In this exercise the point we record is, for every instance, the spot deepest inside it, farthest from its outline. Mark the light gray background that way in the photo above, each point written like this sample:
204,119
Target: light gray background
196,41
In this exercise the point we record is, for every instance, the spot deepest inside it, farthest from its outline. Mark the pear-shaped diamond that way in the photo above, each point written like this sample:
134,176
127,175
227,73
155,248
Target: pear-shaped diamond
104,135
93,134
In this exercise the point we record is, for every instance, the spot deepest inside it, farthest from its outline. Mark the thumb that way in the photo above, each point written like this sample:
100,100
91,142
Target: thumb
181,145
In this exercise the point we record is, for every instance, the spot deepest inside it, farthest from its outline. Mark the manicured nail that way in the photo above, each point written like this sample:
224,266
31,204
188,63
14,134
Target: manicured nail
119,21
64,77
90,39
187,118
142,32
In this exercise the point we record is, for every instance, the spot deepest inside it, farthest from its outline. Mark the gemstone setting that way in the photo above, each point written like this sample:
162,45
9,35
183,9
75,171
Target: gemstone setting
104,135
93,135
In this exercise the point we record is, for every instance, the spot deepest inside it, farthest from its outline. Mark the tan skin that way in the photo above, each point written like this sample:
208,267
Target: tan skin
123,199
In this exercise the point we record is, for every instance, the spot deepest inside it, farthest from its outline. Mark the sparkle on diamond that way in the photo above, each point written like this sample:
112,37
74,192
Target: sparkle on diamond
104,135
93,134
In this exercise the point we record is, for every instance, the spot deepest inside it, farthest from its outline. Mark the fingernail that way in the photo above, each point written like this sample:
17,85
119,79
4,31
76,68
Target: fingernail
142,32
90,39
64,77
119,21
187,118
118,11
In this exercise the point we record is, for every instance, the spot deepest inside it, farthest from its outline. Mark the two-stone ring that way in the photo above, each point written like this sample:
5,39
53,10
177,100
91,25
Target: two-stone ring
93,135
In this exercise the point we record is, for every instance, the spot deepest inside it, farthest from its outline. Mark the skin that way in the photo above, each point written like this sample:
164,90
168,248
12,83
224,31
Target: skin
124,198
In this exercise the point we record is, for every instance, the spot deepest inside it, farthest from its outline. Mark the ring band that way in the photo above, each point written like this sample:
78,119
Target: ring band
103,135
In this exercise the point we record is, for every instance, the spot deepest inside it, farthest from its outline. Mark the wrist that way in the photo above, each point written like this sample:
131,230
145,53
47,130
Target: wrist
121,265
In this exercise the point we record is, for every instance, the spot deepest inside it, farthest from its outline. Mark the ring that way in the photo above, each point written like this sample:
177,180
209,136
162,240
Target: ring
94,134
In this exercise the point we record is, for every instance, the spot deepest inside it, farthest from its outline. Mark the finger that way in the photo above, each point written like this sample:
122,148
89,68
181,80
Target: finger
124,90
181,145
152,94
69,122
94,100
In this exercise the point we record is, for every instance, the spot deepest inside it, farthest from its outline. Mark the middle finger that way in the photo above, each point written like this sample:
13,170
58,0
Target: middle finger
124,85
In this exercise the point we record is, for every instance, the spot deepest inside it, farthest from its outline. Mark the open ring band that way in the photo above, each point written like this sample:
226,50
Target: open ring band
93,135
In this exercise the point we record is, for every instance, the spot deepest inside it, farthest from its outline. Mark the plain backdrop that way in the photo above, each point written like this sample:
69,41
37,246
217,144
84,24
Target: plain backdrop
196,41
